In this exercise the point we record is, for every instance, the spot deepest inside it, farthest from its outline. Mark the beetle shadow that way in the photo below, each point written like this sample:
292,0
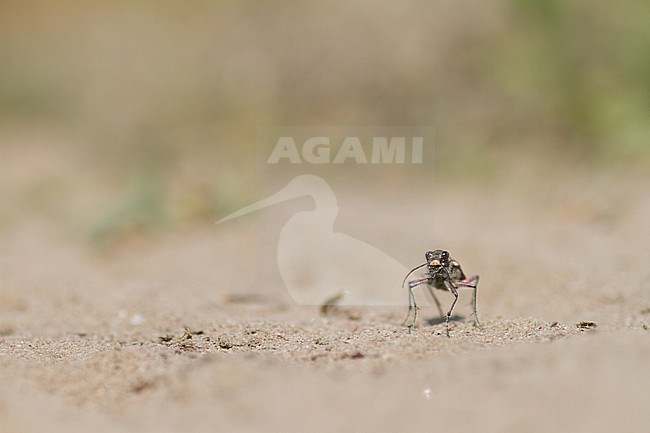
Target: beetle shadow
440,320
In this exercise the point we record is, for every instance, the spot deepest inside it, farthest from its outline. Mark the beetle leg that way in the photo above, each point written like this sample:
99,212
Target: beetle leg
472,282
435,298
413,307
454,291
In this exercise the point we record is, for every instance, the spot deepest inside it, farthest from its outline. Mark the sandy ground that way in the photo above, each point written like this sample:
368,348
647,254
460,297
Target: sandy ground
176,334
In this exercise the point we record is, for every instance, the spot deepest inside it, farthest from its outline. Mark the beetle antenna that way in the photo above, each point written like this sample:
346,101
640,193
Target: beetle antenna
411,271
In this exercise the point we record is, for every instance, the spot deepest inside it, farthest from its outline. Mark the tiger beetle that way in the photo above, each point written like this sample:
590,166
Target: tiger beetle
443,273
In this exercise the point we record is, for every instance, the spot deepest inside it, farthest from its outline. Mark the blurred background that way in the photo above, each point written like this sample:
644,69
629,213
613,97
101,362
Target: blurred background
129,127
124,119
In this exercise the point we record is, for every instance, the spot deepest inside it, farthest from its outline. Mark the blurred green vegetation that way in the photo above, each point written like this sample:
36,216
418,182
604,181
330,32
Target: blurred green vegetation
592,62
161,100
